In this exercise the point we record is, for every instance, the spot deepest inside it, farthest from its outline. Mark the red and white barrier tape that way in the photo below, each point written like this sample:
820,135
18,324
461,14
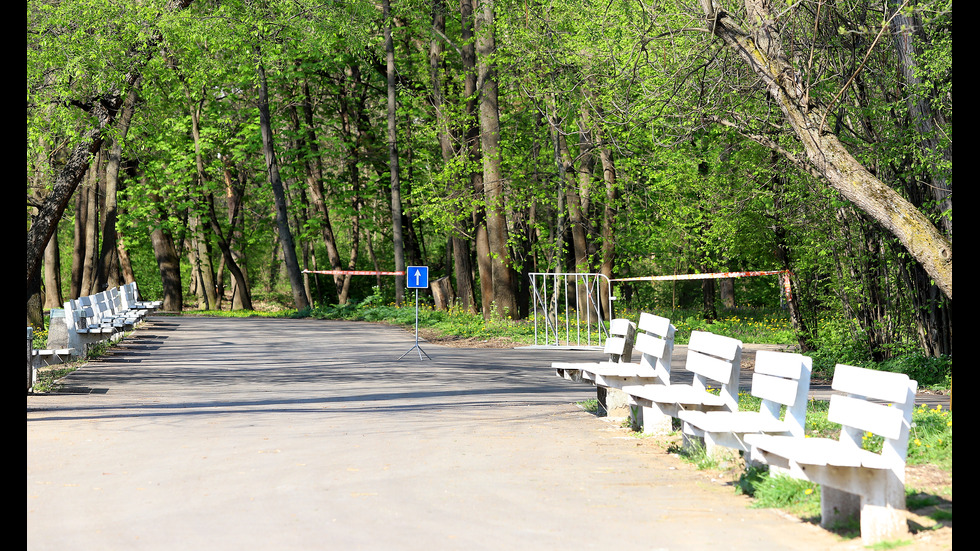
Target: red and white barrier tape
350,272
718,275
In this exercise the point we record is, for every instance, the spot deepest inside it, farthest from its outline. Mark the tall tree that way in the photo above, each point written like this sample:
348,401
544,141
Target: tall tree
759,46
396,198
103,107
502,274
293,271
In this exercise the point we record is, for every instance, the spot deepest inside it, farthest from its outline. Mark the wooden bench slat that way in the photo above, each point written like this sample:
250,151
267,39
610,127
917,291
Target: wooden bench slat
776,389
817,451
880,419
708,366
656,325
723,347
677,394
739,422
615,345
649,344
879,385
780,364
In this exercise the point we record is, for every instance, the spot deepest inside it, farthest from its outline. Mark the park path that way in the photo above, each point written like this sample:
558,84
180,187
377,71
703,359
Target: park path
237,434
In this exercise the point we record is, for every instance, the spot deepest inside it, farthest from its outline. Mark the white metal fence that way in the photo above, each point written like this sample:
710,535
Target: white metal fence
568,310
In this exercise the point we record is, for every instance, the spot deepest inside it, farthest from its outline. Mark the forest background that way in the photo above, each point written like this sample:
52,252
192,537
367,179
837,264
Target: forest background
213,150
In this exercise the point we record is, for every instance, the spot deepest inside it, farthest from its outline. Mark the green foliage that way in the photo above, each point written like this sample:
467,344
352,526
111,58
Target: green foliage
799,497
690,196
931,437
928,371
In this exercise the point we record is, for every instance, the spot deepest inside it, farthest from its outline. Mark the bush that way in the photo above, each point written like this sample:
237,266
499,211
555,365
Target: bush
929,371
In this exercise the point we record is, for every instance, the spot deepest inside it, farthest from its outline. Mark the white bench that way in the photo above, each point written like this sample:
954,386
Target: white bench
113,307
52,356
854,480
130,298
618,348
780,379
714,360
654,338
84,329
108,312
94,312
655,342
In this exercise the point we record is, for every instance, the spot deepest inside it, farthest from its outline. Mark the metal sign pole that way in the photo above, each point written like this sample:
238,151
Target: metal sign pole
421,275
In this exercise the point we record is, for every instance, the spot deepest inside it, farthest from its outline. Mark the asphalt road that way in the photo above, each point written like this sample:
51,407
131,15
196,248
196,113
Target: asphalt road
238,434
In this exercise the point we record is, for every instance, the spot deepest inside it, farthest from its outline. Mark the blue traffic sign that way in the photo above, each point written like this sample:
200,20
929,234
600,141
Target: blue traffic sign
418,277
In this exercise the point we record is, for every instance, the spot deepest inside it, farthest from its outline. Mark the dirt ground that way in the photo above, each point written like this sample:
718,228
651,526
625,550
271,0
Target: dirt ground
929,481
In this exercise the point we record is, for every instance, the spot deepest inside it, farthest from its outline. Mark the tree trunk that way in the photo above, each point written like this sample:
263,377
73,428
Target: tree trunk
242,292
35,312
472,134
576,219
108,269
903,29
608,251
78,244
91,242
169,264
396,199
201,260
708,300
826,156
460,246
233,199
504,290
168,261
52,274
126,272
282,218
726,288
314,181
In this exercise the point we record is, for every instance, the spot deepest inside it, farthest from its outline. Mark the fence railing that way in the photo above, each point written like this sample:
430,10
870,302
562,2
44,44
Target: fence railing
569,310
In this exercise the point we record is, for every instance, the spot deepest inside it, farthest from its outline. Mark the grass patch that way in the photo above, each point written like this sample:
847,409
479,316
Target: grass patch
930,443
47,379
591,405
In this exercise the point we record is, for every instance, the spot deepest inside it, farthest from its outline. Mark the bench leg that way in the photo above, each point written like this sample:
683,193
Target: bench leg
655,421
611,400
837,506
883,514
600,395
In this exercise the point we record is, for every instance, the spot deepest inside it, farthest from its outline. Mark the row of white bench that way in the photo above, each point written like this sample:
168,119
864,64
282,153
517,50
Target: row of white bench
91,319
853,481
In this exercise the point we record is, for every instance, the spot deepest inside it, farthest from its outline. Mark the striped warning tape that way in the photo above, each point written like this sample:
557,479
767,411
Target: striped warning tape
350,272
718,275
784,275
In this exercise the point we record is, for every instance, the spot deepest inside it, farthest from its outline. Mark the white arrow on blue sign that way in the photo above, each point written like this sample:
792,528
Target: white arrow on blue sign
418,277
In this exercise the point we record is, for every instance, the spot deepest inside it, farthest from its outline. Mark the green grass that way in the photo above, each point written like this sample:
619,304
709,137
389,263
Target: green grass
930,443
